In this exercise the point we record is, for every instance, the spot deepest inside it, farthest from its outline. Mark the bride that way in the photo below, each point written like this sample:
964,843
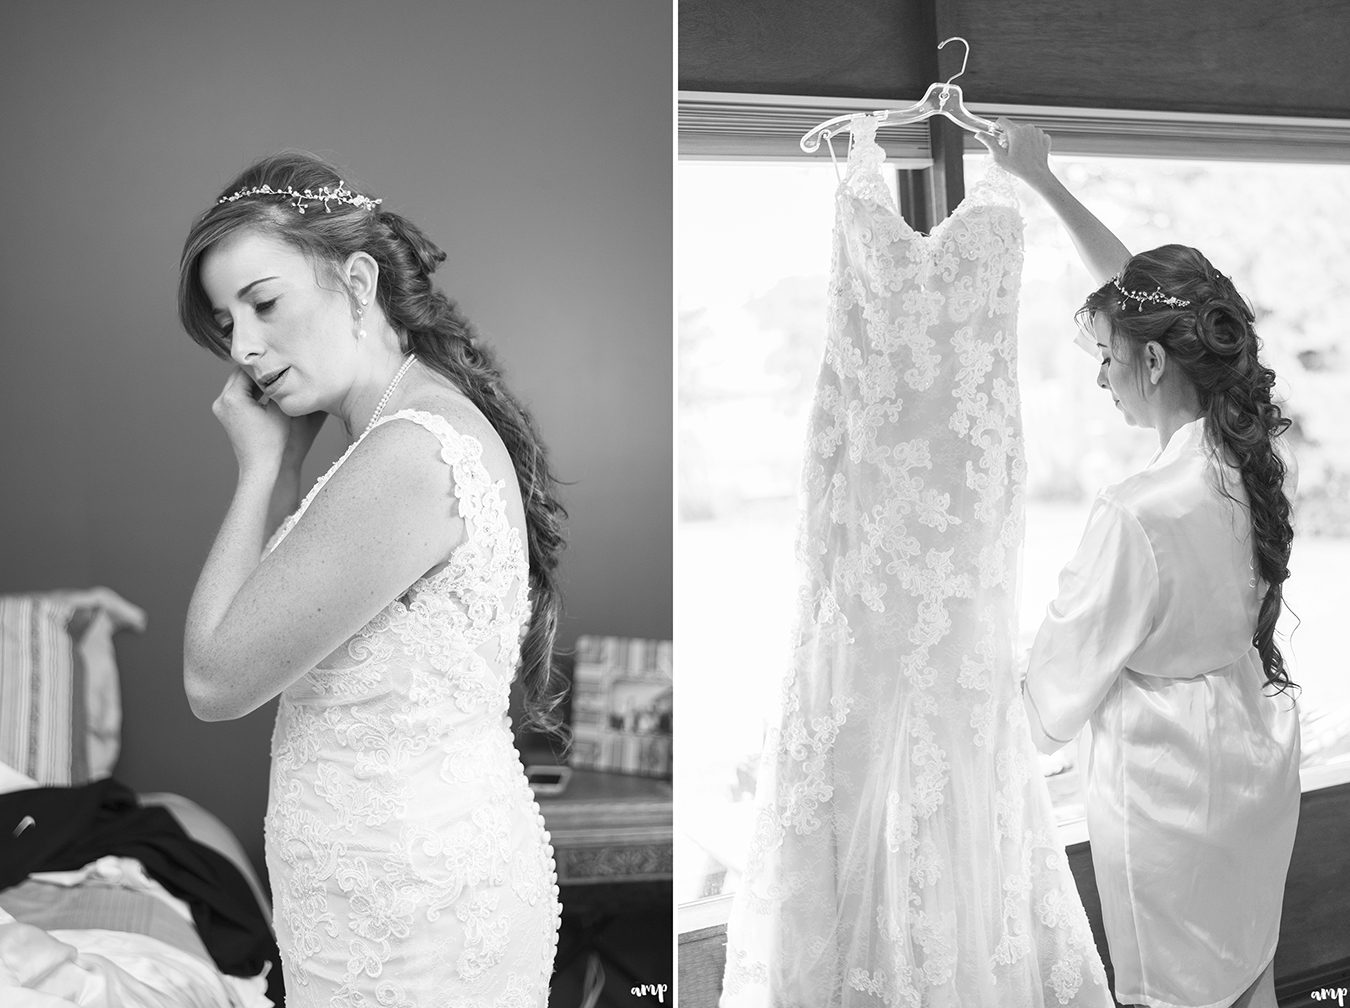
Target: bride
390,611
1162,636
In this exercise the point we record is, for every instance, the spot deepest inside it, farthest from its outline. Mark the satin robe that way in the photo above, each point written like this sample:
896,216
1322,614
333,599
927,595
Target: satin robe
1191,780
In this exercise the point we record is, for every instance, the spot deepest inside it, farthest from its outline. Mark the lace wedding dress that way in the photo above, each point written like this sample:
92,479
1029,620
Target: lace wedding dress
905,851
409,863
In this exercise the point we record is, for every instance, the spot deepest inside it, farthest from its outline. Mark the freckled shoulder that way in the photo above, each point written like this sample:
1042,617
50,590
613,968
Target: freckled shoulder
465,418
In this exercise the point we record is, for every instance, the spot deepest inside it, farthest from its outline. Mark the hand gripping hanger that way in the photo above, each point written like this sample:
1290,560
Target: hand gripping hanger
941,99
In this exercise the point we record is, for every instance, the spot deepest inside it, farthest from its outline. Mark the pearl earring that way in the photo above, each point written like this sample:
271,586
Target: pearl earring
360,312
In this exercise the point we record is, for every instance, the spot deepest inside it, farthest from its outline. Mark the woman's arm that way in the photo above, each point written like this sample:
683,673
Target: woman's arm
382,521
1103,611
232,560
1028,157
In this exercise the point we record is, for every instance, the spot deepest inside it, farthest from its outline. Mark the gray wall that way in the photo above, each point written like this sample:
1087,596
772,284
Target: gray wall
531,140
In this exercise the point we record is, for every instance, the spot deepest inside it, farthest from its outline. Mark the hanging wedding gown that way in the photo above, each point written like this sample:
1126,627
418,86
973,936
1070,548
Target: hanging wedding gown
905,852
409,862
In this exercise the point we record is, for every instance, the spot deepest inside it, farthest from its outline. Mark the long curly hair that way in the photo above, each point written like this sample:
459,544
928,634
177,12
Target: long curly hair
1213,341
430,326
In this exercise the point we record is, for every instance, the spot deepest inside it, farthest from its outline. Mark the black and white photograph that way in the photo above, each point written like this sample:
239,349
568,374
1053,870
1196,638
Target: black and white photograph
339,420
764,504
1013,504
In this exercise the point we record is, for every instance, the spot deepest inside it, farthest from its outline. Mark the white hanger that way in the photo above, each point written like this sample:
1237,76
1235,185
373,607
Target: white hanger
940,99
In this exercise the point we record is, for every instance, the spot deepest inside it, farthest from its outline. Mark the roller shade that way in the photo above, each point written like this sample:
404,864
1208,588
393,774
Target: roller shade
1206,79
1226,57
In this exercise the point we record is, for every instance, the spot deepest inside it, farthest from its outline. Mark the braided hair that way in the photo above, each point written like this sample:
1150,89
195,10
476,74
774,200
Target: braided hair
1213,342
430,327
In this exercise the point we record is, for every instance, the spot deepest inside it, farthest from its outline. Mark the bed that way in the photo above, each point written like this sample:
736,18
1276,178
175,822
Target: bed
108,898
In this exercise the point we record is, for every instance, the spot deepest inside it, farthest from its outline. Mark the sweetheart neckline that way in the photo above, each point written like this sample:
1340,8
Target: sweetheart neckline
858,164
888,205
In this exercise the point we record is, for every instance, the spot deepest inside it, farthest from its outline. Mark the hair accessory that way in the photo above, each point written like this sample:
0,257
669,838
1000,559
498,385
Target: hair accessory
300,200
1156,297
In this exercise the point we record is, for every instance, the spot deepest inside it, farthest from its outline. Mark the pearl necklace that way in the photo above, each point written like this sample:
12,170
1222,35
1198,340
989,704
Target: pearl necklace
384,399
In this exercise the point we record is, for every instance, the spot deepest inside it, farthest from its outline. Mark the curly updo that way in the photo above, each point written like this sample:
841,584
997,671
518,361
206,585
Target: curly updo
429,326
1213,342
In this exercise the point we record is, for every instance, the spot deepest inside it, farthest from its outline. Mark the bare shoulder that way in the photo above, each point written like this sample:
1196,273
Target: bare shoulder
455,408
462,416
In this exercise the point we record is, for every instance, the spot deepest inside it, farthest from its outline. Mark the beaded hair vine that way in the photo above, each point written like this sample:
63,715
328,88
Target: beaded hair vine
323,195
1156,297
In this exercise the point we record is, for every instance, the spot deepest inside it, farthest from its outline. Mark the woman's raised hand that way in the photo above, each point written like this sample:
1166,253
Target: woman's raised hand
1028,157
258,431
1027,154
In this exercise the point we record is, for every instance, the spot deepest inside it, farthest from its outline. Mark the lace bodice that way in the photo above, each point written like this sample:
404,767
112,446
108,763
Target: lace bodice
479,595
905,851
408,858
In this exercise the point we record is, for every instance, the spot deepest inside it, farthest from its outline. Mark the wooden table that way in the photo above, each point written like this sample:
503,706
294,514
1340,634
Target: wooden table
611,828
613,843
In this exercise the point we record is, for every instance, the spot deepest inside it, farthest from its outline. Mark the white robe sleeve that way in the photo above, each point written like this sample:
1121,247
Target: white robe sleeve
1105,608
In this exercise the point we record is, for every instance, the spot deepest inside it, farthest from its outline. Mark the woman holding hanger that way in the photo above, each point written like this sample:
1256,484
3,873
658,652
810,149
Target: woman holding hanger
1162,634
390,611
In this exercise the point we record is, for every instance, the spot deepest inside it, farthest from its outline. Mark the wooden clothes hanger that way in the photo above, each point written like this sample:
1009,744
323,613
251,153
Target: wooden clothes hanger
941,99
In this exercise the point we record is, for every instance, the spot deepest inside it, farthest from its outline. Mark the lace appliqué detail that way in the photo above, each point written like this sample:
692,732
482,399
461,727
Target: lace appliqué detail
904,851
409,860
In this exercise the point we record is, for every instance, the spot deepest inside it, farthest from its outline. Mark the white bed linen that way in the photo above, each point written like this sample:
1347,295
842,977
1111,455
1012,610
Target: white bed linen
109,969
95,968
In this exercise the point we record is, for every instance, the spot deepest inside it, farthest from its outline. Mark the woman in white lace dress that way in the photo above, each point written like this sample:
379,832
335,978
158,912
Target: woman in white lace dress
390,610
1162,633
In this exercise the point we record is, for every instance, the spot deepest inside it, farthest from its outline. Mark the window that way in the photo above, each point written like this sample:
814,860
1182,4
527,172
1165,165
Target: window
754,250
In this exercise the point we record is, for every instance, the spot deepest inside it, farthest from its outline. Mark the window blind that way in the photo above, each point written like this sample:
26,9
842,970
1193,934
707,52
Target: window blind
763,127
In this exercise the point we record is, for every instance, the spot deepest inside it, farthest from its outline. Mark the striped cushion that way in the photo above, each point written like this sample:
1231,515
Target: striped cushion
46,680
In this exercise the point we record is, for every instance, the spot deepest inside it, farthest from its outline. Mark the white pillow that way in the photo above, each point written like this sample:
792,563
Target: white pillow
103,696
60,704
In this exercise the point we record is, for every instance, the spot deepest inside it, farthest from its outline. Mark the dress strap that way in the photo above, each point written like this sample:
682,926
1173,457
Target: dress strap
454,445
863,130
477,497
863,177
863,149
